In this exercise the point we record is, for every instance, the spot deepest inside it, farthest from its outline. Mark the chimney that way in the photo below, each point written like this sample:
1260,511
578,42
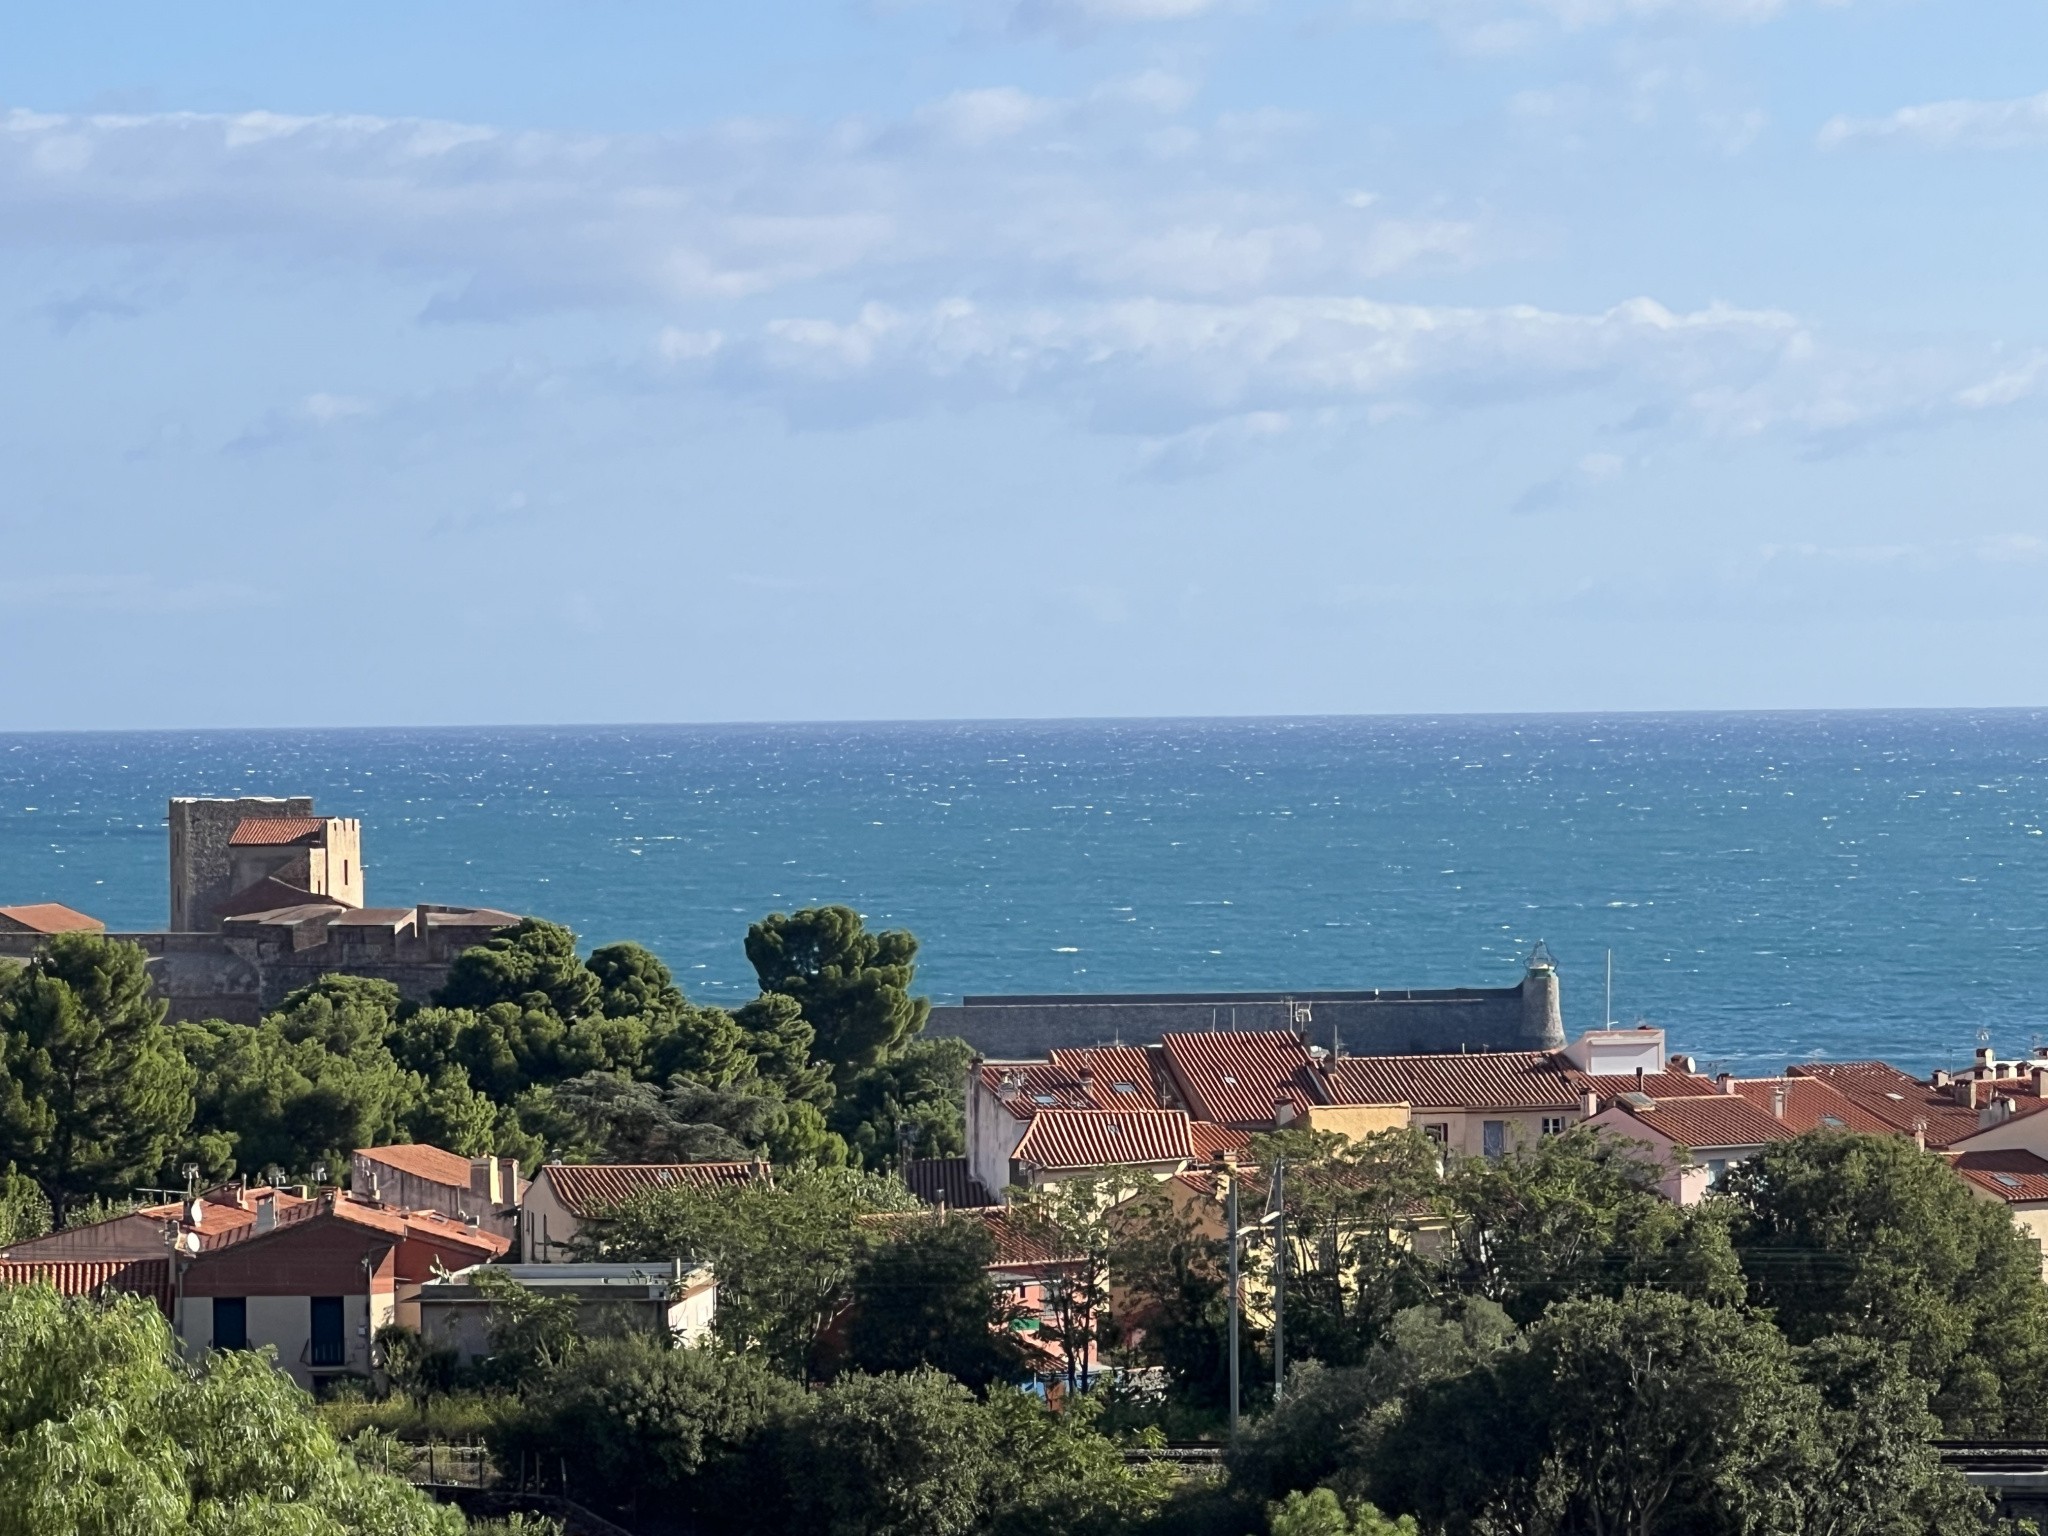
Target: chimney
1639,1080
1983,1057
1967,1091
2040,1075
375,1193
1284,1112
1589,1103
1007,1087
1725,1083
1086,1077
483,1179
1920,1134
241,1194
1940,1080
1997,1112
266,1212
1778,1101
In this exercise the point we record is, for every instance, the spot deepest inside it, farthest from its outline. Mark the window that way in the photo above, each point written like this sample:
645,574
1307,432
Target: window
1438,1133
1493,1138
1553,1125
328,1345
230,1322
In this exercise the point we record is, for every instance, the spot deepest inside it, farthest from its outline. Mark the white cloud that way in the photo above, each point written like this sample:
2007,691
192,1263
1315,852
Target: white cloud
2017,124
1027,193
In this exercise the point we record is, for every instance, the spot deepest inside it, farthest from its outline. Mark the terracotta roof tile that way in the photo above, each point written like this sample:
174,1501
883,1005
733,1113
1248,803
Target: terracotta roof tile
52,917
1658,1085
2012,1174
86,1277
1468,1080
423,1161
1711,1121
586,1187
1117,1077
1238,1077
1105,1138
276,831
1210,1140
1812,1104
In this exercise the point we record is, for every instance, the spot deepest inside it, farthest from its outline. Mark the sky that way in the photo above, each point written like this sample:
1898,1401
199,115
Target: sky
656,360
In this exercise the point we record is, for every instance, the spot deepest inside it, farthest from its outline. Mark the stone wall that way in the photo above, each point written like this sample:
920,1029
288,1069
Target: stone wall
1361,1023
200,830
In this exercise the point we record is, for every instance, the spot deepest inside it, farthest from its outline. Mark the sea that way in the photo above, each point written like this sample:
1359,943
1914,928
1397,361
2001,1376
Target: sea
1769,887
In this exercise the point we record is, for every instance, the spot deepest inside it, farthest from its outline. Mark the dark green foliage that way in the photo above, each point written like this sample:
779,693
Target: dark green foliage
452,1114
1309,1438
784,1254
852,986
776,1036
1176,1283
1578,1215
703,1044
890,1456
915,1100
533,966
924,1298
1868,1235
93,1092
417,1369
658,1436
24,1208
605,1117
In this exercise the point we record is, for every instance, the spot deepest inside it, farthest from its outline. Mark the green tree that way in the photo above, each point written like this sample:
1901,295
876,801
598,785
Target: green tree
655,1435
853,986
24,1208
532,1336
1648,1414
105,1430
784,1253
452,1114
93,1092
607,1117
778,1038
1055,1472
916,1099
1352,1262
1868,1235
910,1455
703,1044
1574,1215
534,966
1310,1437
1175,1278
1319,1512
1075,1219
923,1298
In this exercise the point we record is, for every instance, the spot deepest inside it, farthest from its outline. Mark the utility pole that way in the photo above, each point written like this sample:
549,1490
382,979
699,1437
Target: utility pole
1278,1201
1230,1207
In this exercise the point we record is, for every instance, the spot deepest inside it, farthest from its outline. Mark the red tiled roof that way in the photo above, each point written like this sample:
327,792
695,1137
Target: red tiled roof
1237,1077
1658,1085
1210,1140
52,917
219,1215
1119,1077
2012,1174
586,1187
945,1181
86,1277
1710,1121
1105,1138
1812,1104
275,831
1901,1102
423,1161
1469,1080
1015,1246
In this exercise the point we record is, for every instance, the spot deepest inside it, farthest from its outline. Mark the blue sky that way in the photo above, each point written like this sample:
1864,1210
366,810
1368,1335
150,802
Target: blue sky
626,361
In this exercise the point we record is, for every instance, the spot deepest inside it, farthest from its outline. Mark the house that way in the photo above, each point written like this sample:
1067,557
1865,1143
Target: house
150,1231
315,1282
675,1301
1694,1138
563,1196
417,1177
47,917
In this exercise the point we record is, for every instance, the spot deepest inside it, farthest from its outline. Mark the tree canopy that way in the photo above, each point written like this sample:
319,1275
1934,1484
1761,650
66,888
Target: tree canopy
851,985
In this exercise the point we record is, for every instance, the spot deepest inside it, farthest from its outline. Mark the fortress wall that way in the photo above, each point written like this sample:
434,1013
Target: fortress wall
1475,1020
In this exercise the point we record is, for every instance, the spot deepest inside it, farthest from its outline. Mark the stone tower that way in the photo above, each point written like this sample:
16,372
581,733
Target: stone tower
218,848
1542,1013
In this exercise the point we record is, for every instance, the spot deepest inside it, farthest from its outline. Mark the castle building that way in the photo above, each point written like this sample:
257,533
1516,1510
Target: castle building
268,896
